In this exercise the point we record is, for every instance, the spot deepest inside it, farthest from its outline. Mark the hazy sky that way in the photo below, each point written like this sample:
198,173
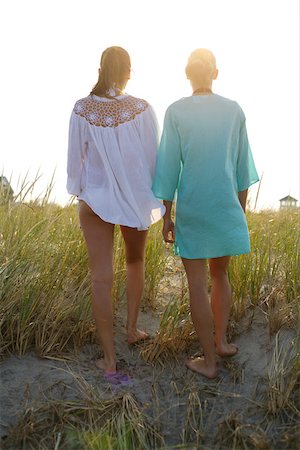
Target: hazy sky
50,57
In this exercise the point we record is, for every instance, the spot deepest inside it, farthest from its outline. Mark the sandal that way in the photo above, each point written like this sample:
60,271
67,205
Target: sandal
118,378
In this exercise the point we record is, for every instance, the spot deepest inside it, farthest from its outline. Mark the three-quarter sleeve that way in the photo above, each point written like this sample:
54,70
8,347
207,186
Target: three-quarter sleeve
76,150
245,171
149,135
168,165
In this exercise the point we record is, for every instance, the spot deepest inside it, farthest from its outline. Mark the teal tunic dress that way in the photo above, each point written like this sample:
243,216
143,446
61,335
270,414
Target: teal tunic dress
204,160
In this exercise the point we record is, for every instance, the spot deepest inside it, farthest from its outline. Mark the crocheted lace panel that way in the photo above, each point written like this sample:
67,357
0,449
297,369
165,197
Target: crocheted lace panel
109,113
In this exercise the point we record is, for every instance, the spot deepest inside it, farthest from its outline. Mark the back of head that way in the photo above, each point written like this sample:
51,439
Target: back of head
114,70
201,64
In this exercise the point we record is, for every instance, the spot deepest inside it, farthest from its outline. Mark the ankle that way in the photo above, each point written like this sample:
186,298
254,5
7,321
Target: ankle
221,341
210,361
110,365
131,328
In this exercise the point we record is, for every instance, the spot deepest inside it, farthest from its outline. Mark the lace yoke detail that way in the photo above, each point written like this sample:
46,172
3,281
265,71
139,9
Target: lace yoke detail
109,113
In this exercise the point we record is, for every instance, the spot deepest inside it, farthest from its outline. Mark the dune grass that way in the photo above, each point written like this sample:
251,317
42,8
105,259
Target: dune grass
45,282
44,278
90,423
45,306
267,278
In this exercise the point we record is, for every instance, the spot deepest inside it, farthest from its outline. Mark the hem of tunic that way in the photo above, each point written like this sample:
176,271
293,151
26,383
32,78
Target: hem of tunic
211,255
139,227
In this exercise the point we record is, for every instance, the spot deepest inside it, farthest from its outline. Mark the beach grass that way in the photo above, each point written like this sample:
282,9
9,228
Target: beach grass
45,282
45,307
91,423
267,278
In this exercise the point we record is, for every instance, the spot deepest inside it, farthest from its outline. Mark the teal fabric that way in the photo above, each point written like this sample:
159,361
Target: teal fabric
204,160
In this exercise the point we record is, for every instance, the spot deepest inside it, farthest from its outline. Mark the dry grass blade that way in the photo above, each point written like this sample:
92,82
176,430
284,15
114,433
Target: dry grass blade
174,335
290,438
86,423
235,370
193,431
283,379
280,313
45,305
233,434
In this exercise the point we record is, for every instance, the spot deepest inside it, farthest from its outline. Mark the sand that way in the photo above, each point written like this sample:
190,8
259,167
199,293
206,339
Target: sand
163,391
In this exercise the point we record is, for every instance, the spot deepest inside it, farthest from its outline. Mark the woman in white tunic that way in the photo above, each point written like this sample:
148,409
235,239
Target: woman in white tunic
113,141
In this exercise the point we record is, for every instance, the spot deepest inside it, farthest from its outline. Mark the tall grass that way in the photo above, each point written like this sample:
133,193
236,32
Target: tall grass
273,261
45,283
44,277
45,305
268,277
44,287
283,378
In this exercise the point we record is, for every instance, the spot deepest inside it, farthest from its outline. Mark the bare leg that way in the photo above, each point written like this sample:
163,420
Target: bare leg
220,303
135,242
202,317
99,239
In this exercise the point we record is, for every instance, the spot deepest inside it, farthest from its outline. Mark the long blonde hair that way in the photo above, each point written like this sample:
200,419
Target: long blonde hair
114,67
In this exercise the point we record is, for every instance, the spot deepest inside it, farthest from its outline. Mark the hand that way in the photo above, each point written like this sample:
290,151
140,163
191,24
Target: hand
168,231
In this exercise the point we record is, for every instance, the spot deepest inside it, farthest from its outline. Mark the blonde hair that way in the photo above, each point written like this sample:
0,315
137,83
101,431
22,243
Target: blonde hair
114,66
201,64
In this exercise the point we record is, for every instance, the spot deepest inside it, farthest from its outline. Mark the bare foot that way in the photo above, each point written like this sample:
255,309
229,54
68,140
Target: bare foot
199,365
226,350
102,365
111,375
137,336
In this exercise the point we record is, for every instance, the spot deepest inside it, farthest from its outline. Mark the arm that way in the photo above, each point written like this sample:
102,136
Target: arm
245,171
243,199
149,133
168,164
168,226
76,150
167,172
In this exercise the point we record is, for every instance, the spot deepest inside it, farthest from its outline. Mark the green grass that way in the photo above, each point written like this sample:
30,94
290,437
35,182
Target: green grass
45,306
268,277
45,285
89,423
44,278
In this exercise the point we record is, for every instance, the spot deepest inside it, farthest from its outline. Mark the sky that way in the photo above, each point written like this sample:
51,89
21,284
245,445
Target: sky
50,58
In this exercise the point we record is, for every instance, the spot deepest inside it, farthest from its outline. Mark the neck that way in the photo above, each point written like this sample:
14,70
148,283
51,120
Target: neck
202,90
201,86
115,91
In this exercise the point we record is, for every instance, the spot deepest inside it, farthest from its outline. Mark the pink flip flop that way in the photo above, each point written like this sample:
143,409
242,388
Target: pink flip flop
118,378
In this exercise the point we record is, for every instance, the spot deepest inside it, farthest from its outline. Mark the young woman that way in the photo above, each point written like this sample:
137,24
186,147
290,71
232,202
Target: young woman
113,141
205,157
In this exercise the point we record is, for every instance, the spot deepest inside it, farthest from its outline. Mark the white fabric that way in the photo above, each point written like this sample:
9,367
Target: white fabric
111,159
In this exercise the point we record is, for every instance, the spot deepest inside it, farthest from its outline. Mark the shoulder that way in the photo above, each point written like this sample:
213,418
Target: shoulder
136,100
82,104
93,101
232,105
108,112
134,104
178,104
176,110
174,107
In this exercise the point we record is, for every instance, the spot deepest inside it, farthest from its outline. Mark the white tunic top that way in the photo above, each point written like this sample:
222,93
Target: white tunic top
111,159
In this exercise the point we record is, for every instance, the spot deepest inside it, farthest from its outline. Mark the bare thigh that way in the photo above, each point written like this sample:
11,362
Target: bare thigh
219,266
135,243
196,272
98,235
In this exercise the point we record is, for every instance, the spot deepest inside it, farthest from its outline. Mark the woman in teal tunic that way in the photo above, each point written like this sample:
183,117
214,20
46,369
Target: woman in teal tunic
205,160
